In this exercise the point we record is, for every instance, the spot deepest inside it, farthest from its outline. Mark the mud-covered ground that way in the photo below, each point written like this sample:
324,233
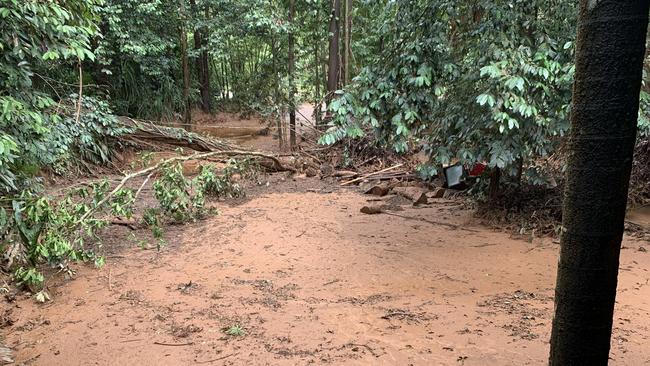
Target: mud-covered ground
311,280
296,275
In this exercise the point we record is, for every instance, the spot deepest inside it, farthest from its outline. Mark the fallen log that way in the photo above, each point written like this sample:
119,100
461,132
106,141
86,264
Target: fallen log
344,174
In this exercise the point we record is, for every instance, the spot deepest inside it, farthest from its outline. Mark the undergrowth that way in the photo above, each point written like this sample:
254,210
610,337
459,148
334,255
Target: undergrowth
39,230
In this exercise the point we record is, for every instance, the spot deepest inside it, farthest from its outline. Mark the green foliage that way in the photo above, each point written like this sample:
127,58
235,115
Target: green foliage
33,34
235,331
183,199
473,82
138,57
151,217
222,185
90,138
29,277
52,230
174,193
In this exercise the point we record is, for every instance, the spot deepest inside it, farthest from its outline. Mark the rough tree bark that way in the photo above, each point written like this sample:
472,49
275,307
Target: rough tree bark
187,113
609,56
333,62
292,86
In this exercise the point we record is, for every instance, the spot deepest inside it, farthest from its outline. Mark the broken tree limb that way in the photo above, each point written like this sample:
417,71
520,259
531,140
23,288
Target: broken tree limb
371,174
197,156
344,174
129,224
150,134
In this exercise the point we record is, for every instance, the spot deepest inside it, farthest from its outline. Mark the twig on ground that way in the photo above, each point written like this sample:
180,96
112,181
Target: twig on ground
217,359
173,344
371,174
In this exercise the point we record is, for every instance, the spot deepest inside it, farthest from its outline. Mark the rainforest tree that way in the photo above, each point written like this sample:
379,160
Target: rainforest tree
470,82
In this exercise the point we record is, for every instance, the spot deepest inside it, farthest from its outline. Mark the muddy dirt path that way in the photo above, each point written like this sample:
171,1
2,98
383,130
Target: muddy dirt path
297,276
310,280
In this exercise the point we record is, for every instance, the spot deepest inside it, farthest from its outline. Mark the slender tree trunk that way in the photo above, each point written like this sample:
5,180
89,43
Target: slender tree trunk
333,63
317,102
187,115
292,86
347,50
610,49
206,90
226,79
202,68
276,90
343,52
495,184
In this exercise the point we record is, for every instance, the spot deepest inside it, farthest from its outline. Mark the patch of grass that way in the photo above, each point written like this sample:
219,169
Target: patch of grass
235,331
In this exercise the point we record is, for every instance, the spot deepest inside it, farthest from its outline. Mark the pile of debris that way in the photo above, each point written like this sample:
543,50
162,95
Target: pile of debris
152,136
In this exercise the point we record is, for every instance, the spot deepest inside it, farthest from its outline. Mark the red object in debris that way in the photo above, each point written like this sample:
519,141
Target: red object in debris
477,170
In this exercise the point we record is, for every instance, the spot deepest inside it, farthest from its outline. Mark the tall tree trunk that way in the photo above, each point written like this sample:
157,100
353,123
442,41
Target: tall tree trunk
333,62
292,86
609,57
206,90
187,113
344,35
317,101
347,50
276,92
202,68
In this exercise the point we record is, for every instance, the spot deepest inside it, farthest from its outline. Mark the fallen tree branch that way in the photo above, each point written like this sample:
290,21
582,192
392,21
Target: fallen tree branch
173,344
197,156
150,134
453,226
375,210
130,224
371,174
218,358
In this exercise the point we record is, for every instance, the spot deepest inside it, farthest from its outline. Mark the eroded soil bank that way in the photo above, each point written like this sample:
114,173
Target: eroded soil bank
311,280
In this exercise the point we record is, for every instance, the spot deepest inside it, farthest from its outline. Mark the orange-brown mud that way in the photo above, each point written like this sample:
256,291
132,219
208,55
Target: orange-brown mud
311,280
